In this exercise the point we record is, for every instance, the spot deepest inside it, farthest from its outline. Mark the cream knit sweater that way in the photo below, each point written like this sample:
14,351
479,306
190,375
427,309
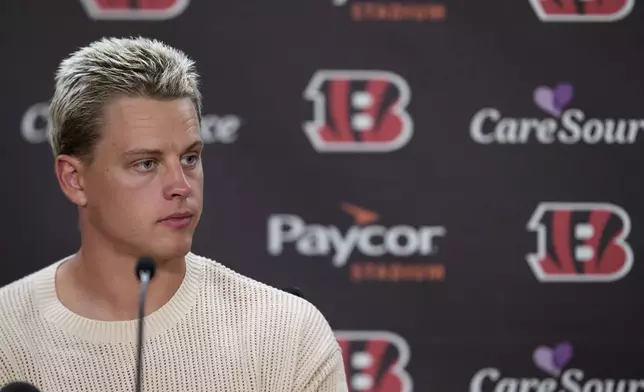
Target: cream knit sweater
220,332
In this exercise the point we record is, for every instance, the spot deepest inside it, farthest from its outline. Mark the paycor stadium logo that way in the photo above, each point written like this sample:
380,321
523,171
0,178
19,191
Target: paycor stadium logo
370,251
394,11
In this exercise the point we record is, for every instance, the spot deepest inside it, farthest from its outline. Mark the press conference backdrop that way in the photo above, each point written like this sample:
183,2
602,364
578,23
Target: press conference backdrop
456,185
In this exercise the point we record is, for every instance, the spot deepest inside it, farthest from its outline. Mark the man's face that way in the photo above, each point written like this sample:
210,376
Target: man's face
147,168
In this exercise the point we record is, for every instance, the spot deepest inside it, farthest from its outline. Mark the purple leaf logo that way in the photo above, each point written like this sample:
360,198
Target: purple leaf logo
553,100
553,360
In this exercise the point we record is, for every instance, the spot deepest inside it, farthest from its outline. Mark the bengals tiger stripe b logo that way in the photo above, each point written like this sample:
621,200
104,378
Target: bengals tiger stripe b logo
582,10
358,111
134,9
375,361
580,242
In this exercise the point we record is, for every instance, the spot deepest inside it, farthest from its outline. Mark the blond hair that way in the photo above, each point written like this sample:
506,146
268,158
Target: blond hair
111,67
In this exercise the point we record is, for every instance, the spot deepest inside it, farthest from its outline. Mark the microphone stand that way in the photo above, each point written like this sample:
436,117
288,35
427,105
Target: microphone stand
145,269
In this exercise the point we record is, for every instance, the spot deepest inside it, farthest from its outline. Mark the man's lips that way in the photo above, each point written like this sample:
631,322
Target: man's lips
177,220
178,215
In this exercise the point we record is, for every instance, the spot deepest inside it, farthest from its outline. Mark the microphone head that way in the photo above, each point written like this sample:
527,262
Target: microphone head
295,291
19,386
145,264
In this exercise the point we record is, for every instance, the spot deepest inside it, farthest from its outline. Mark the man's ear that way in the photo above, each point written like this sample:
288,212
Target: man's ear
69,172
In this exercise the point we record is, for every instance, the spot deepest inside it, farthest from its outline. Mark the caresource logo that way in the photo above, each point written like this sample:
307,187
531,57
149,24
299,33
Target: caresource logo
582,10
394,11
220,129
358,111
375,361
359,244
560,125
214,128
580,242
553,362
34,123
134,9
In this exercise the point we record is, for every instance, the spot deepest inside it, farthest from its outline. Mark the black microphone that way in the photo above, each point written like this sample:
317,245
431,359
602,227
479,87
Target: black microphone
145,269
295,291
19,386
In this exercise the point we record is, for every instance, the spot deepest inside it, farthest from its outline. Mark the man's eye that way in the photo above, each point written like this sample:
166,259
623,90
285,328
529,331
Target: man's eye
191,160
145,165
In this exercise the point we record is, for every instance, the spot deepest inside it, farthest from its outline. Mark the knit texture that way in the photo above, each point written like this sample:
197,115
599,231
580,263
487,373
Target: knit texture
221,331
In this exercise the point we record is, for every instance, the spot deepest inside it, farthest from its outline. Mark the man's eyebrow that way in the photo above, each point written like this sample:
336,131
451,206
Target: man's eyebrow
143,151
149,151
195,144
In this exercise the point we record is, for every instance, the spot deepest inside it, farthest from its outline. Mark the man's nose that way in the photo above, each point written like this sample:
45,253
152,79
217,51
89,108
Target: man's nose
176,183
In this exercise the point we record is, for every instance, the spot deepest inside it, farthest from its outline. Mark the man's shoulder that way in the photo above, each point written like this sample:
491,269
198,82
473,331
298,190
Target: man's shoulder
280,325
17,299
17,294
253,294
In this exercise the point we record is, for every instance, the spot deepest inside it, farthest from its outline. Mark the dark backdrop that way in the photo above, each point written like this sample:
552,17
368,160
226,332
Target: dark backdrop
349,154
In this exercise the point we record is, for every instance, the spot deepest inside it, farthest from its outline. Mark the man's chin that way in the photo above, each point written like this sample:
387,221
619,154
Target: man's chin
170,251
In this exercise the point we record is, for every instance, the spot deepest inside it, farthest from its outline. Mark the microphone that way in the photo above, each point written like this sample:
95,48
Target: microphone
145,269
19,386
295,291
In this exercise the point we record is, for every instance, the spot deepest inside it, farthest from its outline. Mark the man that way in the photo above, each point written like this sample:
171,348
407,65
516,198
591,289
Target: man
125,134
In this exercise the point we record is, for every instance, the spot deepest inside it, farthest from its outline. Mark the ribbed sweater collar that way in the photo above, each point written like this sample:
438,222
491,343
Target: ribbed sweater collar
97,331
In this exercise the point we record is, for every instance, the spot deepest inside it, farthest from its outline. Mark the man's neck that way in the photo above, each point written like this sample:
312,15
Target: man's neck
100,285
